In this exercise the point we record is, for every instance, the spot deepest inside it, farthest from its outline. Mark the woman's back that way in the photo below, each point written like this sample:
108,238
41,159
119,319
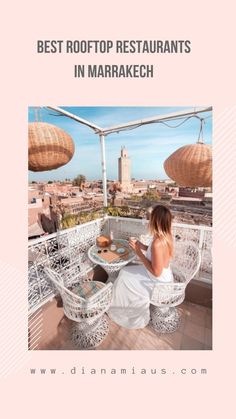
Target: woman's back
166,274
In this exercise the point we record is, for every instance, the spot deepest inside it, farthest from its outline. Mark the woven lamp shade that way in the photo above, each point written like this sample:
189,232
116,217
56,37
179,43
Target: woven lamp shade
50,147
190,165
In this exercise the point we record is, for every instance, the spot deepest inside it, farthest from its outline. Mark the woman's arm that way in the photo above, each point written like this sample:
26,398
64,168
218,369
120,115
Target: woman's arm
145,261
155,266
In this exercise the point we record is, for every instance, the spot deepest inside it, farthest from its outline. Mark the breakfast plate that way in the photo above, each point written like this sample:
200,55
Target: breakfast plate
121,250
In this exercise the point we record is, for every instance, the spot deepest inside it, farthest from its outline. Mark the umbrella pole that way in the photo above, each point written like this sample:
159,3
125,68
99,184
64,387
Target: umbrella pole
104,171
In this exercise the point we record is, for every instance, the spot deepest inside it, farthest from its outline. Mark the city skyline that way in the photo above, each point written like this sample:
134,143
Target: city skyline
148,145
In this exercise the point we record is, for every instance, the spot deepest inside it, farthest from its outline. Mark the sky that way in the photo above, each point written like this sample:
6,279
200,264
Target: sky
148,146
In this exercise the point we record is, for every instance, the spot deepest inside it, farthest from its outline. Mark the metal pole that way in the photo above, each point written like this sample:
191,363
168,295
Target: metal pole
156,118
76,118
104,171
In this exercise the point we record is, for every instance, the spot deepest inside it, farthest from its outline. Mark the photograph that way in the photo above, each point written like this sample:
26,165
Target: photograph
120,228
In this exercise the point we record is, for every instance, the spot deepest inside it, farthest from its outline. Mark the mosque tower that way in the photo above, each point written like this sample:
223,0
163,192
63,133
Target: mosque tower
124,170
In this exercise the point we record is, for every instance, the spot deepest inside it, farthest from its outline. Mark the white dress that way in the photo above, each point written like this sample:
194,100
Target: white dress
132,292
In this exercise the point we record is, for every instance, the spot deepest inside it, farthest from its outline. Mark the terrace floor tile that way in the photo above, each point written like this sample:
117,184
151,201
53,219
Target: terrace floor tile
192,335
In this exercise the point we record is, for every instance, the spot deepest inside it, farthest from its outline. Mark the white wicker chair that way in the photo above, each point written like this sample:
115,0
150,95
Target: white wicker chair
85,304
166,296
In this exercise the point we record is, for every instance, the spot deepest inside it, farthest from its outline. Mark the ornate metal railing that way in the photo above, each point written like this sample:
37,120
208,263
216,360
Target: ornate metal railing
69,248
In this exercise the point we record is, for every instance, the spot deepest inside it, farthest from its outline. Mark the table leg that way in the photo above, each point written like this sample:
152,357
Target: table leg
112,276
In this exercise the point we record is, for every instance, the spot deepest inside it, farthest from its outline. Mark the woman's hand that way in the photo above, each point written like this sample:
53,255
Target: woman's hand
135,245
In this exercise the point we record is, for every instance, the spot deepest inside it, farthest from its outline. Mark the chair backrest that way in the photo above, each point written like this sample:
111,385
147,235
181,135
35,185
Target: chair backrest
185,265
76,307
186,261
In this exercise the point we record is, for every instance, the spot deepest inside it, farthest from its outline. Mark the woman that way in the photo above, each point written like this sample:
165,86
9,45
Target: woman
133,288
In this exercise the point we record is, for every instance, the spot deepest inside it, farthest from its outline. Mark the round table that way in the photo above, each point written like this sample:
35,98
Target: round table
112,268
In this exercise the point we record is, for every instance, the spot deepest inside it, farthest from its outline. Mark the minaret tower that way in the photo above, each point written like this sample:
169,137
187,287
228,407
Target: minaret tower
124,169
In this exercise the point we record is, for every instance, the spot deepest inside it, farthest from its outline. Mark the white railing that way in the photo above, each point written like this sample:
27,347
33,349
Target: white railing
58,251
70,246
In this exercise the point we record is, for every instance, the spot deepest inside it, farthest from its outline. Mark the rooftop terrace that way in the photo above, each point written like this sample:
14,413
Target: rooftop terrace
62,249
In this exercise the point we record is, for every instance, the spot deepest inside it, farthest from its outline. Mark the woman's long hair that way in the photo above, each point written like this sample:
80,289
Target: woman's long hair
160,225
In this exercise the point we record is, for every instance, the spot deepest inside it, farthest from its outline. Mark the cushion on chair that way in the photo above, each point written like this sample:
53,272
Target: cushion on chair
88,288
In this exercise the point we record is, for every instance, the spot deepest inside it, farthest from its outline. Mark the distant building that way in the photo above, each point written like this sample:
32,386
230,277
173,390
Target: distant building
124,170
58,188
140,187
191,192
187,201
40,216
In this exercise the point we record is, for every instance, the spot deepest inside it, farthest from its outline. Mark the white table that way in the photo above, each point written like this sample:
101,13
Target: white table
112,268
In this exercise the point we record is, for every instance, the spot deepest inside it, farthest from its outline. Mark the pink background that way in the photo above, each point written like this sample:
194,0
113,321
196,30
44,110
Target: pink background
204,77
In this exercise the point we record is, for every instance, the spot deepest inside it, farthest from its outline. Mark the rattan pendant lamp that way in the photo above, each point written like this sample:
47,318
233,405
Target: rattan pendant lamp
49,147
191,165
